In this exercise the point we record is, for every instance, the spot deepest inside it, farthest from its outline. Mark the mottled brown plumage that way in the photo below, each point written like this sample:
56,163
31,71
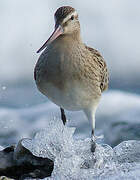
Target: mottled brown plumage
104,78
68,72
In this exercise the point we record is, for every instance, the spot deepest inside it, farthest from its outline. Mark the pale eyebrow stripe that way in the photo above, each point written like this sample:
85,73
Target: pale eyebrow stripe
69,16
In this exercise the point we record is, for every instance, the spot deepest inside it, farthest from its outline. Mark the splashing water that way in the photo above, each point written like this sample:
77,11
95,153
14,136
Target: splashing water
74,160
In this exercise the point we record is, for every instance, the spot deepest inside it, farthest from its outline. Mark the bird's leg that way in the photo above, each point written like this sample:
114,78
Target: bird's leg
93,143
90,113
63,116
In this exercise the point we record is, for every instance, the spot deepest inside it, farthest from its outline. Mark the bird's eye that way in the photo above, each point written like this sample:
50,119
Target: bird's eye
72,17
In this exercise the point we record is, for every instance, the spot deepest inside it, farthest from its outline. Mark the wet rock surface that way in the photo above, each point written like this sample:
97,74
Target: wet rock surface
17,162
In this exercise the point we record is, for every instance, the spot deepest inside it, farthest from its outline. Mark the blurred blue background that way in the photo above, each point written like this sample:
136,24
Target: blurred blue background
112,27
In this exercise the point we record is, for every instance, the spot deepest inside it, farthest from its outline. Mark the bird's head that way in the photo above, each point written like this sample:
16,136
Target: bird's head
66,23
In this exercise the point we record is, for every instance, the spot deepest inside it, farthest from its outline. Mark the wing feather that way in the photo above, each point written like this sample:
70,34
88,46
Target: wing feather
99,60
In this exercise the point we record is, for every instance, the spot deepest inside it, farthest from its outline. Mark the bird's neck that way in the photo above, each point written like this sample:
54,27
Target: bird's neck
69,38
67,43
76,36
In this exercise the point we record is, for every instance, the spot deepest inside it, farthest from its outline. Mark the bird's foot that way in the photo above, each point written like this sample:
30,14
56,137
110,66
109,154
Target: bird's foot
93,146
93,142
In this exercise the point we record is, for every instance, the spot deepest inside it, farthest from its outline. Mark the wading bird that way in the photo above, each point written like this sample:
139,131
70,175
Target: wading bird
69,73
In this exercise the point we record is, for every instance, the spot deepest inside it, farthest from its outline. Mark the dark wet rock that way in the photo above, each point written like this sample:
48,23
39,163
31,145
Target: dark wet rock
6,158
19,163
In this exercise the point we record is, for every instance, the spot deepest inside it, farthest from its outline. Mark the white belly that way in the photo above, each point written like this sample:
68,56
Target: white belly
73,98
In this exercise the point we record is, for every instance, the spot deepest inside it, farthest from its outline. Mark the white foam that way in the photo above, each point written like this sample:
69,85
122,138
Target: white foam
1,148
73,159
